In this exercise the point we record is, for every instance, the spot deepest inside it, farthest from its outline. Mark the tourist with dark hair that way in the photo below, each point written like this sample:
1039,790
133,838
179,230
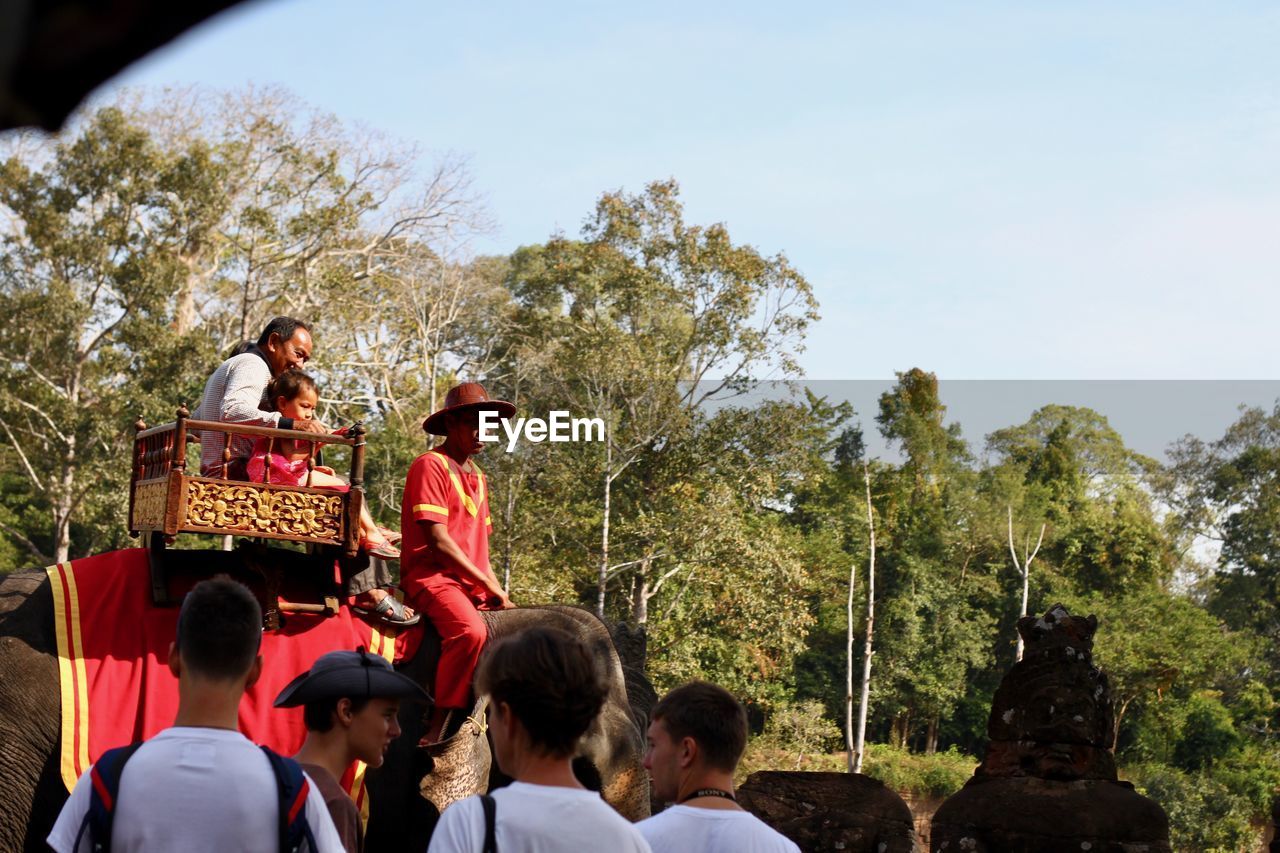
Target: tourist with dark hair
237,393
350,705
544,692
284,461
199,785
696,737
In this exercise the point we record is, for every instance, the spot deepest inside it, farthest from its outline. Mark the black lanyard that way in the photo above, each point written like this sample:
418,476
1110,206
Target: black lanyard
708,792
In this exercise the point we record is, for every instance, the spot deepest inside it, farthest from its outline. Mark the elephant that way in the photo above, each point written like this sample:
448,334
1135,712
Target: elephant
405,795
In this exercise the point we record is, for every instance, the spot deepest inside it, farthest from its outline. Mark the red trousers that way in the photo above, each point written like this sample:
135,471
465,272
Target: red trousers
454,610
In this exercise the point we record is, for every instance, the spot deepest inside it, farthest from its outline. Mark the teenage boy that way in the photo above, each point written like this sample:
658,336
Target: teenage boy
444,556
350,704
200,785
544,693
696,738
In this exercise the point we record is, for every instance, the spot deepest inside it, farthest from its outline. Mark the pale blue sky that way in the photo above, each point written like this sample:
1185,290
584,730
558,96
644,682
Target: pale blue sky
986,190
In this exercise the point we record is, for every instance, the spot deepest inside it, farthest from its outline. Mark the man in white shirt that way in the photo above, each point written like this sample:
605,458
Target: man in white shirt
696,738
200,785
234,394
544,693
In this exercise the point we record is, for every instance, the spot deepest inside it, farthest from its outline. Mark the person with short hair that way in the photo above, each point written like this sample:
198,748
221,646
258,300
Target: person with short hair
350,705
444,561
285,461
696,738
236,393
200,785
544,693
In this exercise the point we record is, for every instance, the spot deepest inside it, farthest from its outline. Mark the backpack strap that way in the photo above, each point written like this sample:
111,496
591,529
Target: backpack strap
294,830
104,789
490,807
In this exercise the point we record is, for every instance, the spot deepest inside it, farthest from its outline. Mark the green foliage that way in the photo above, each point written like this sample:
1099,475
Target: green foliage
140,245
672,521
1205,816
938,775
89,264
1253,772
1152,644
933,630
1208,734
1226,489
799,728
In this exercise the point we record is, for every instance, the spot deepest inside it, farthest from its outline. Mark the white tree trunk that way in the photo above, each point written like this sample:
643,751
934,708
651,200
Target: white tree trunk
62,510
1025,570
1026,582
63,500
640,600
508,524
867,650
849,736
603,576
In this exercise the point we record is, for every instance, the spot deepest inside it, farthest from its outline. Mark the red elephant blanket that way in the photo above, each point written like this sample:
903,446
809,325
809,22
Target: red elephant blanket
113,653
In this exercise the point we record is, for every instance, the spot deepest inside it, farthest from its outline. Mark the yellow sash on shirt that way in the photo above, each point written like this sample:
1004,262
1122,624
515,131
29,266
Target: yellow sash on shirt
472,506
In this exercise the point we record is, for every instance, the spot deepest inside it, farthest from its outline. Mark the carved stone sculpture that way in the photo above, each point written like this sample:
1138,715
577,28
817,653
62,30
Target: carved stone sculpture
830,811
1048,782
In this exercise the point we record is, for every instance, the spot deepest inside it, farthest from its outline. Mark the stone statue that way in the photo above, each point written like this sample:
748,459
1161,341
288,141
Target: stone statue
1048,782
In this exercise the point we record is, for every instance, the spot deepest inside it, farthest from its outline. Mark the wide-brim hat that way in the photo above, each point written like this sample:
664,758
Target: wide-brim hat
468,395
355,675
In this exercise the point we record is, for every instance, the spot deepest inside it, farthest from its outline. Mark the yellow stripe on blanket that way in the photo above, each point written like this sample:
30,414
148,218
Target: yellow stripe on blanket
384,645
72,679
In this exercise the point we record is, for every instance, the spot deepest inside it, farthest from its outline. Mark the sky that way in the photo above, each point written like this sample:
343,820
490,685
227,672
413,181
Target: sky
1044,191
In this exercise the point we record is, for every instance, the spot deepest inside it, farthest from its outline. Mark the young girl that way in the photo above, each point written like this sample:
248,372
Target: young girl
283,461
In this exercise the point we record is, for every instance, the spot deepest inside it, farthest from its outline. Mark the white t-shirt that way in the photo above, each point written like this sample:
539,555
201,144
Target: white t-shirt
194,790
537,819
681,828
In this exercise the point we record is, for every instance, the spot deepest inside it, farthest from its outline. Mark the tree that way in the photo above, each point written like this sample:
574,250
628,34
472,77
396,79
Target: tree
1073,471
1150,643
147,242
637,314
1024,568
89,265
860,741
931,627
1225,491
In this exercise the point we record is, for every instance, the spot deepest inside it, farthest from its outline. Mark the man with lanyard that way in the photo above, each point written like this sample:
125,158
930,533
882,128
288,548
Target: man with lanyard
234,394
444,556
696,738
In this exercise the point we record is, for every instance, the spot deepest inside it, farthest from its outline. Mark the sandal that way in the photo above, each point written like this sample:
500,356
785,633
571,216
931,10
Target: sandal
383,549
390,611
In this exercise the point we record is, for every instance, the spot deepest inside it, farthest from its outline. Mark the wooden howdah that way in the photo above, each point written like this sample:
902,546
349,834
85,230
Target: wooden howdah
165,500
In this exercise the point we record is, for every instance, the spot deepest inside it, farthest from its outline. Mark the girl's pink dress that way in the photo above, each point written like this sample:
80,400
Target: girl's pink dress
282,471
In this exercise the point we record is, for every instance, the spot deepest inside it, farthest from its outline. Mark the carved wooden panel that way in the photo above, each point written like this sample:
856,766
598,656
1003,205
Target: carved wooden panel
257,510
149,501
